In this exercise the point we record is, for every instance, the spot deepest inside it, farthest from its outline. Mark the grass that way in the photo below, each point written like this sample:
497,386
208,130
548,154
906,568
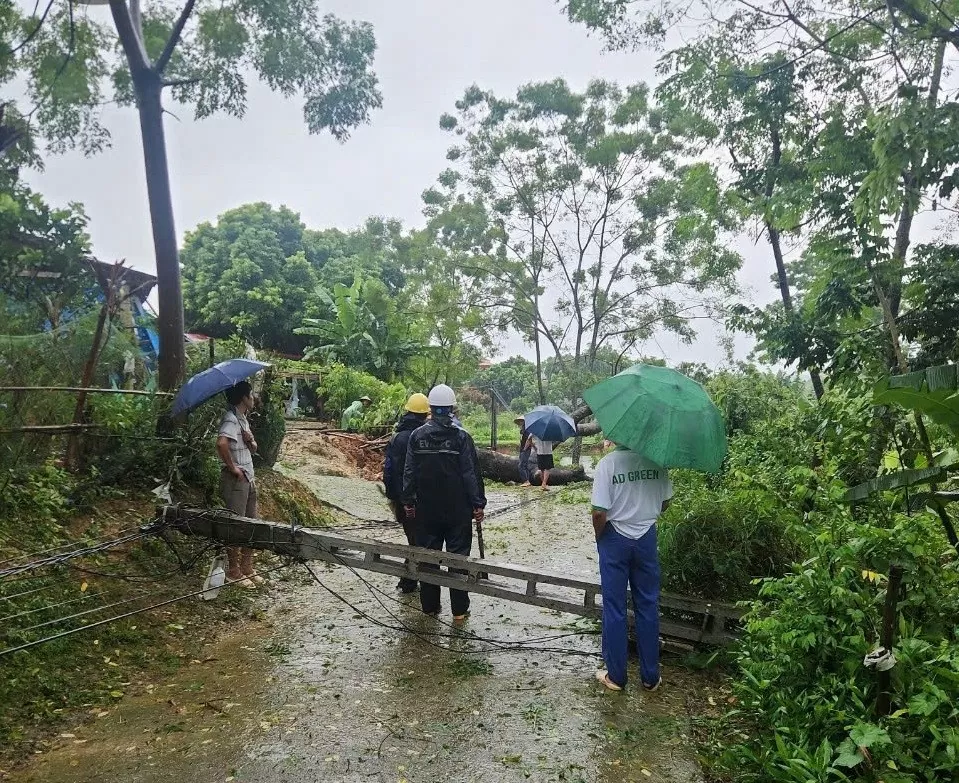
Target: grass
537,714
41,686
469,667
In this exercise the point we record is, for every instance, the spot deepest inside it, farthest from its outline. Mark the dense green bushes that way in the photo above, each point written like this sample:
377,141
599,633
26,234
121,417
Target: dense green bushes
715,543
803,688
341,385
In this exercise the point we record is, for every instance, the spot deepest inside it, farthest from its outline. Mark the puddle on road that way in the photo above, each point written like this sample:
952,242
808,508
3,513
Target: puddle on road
377,691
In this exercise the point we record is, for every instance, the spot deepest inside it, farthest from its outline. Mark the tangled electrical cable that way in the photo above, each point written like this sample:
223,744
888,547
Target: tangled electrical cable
65,553
455,632
379,524
493,645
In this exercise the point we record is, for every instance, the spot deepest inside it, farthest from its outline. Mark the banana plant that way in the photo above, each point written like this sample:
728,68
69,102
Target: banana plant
933,392
361,330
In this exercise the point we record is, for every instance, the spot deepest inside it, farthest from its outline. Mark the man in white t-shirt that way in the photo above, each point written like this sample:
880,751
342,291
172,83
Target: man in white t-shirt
544,458
629,494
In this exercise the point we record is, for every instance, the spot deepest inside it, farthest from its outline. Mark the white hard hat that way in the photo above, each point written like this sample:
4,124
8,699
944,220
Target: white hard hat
442,396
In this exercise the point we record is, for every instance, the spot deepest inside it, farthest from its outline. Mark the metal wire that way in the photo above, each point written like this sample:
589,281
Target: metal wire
81,614
98,623
63,557
83,597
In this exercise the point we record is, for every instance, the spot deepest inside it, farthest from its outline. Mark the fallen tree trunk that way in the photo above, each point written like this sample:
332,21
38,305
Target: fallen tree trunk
590,427
500,467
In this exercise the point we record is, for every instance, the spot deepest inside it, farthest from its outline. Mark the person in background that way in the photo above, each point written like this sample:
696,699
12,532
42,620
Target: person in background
236,446
629,494
443,491
414,417
525,448
544,458
352,415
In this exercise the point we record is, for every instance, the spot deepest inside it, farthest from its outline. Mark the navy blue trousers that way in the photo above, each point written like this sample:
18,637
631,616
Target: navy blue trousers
633,563
524,472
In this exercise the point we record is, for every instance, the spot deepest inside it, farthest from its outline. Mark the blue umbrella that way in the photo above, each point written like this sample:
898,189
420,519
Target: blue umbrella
210,382
547,422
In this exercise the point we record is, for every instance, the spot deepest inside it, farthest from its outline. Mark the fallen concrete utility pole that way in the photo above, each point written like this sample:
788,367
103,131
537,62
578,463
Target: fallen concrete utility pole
689,621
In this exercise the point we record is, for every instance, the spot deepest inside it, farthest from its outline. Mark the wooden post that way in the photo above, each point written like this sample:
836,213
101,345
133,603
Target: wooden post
492,418
73,443
212,352
889,617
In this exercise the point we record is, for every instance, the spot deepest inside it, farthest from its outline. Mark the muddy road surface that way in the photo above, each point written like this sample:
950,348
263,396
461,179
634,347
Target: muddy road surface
343,678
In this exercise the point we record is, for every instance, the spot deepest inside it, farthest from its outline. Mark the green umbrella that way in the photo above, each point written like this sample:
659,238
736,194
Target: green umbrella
661,414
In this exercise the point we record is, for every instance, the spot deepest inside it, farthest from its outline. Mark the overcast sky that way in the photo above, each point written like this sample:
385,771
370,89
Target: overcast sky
429,52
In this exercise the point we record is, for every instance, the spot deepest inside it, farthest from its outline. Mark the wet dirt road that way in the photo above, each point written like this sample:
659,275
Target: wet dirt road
376,691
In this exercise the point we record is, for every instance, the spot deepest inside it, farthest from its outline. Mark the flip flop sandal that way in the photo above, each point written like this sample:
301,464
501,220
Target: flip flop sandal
244,582
603,676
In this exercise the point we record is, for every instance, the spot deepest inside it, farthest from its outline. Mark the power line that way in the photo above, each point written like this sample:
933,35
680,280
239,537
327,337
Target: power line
98,623
84,613
64,557
64,547
83,597
506,645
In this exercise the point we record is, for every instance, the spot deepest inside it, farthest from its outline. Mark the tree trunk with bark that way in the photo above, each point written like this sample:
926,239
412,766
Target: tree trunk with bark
501,467
147,78
171,362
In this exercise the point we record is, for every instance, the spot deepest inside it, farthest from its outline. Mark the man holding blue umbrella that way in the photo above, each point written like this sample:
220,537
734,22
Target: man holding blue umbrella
236,446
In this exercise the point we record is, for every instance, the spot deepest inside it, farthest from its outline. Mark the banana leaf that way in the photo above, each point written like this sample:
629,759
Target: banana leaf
932,392
897,480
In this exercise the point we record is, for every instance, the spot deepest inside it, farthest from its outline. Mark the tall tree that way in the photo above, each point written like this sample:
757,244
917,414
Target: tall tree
756,113
879,137
580,218
203,52
249,274
443,306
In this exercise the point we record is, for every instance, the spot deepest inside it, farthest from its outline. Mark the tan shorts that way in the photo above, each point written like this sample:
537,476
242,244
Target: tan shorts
239,495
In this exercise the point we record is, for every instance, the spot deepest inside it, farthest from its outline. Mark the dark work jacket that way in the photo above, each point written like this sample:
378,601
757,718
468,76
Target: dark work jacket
395,460
442,477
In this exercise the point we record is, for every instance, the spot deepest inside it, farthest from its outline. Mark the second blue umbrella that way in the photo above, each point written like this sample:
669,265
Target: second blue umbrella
547,422
211,382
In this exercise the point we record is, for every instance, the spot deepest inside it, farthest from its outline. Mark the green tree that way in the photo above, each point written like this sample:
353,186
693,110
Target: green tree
377,249
204,54
249,274
445,308
856,95
513,379
579,219
45,268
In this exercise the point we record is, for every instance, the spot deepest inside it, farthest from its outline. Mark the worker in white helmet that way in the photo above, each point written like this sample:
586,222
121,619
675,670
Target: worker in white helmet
443,490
